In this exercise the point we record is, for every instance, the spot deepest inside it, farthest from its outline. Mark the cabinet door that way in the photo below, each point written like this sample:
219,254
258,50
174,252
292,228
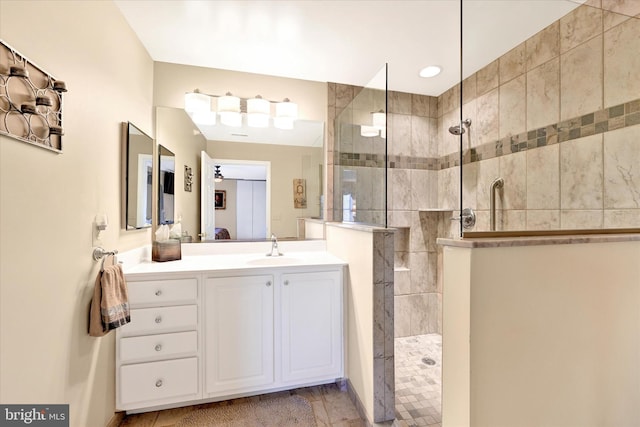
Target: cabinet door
312,326
238,334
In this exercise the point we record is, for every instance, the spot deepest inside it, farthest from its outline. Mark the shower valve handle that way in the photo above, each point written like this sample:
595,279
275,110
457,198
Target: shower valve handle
468,218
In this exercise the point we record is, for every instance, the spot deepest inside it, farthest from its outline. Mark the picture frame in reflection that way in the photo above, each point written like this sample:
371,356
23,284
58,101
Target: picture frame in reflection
220,199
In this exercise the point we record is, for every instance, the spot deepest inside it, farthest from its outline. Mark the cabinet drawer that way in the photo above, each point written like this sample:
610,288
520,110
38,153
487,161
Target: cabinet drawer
160,320
158,380
163,292
158,346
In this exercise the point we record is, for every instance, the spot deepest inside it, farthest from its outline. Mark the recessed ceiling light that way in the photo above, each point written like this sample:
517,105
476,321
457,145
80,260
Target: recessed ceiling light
430,71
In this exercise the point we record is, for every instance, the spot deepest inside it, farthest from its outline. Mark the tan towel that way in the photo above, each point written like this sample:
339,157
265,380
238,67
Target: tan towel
110,303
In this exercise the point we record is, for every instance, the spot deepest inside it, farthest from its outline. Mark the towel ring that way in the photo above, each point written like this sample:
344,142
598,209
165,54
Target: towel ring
99,253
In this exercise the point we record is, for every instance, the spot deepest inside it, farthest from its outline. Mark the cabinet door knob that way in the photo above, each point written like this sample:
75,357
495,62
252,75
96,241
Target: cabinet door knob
158,319
159,383
286,283
158,292
269,283
158,347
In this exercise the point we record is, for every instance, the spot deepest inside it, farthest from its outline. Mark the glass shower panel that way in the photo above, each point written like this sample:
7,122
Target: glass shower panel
360,173
554,115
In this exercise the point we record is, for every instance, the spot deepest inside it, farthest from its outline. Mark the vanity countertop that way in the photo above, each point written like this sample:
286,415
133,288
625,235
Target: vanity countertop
237,261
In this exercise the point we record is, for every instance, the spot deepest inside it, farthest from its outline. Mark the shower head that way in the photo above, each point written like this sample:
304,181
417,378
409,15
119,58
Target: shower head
459,130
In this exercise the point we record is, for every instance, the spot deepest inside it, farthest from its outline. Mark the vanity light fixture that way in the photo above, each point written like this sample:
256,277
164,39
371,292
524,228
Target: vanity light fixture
258,110
286,113
198,106
430,71
229,110
217,176
379,120
369,131
195,102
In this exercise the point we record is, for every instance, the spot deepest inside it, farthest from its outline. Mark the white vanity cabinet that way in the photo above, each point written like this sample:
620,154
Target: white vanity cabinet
271,332
311,326
157,352
238,334
210,334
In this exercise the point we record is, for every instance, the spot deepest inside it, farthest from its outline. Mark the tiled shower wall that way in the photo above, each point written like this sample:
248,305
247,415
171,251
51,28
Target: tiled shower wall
557,117
413,175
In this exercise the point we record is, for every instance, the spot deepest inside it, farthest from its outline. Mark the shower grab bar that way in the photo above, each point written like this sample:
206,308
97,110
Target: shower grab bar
496,184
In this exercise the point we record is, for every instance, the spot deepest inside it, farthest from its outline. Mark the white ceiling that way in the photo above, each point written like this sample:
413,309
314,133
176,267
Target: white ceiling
342,41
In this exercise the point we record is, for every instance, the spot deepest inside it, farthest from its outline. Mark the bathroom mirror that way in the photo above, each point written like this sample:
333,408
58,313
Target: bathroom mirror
166,185
288,159
137,168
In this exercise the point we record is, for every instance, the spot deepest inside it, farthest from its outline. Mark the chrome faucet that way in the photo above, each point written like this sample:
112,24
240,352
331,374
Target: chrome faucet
274,246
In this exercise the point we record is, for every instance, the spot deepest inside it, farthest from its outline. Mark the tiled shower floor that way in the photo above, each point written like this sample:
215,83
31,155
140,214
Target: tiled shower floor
418,385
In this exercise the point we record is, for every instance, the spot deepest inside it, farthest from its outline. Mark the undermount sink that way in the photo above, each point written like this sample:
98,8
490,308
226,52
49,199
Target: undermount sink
274,260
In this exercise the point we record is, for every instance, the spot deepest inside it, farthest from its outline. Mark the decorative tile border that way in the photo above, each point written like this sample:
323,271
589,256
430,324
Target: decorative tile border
377,160
601,121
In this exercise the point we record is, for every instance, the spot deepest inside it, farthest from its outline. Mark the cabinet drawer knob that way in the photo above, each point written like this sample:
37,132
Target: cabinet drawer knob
286,283
269,283
158,347
158,319
159,383
158,292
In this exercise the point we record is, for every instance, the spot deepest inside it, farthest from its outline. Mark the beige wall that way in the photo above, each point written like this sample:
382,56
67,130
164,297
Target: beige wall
172,81
554,335
287,163
48,203
176,131
455,337
356,248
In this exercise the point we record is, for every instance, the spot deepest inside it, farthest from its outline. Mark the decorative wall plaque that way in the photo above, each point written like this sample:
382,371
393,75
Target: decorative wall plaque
299,194
188,178
30,101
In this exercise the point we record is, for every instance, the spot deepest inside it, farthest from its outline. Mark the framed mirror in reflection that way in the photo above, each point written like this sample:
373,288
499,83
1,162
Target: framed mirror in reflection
137,167
166,185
